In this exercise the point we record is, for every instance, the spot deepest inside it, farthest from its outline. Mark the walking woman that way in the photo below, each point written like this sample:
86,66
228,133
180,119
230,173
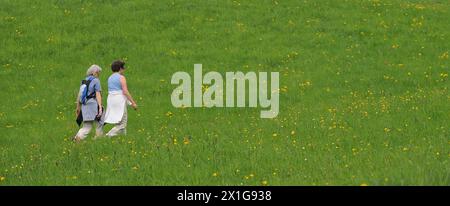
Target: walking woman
118,98
89,106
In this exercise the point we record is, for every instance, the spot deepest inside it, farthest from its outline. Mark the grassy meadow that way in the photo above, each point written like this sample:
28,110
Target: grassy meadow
364,92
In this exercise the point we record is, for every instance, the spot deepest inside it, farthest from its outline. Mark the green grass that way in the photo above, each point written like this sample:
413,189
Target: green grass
364,99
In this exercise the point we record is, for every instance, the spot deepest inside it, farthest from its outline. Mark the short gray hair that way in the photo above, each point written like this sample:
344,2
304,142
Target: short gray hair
93,69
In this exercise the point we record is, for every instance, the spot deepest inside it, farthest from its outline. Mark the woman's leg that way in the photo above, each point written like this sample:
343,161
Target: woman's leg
119,128
100,124
98,129
84,130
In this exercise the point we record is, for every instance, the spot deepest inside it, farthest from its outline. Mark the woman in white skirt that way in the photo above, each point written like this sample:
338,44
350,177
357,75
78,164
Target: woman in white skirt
118,98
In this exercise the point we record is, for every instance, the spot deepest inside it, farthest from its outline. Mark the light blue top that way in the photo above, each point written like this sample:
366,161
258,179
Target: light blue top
94,86
114,82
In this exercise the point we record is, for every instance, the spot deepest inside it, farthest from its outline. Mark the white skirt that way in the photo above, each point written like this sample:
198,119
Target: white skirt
116,107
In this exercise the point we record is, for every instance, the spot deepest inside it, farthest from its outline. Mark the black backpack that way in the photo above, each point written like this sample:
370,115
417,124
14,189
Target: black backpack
84,89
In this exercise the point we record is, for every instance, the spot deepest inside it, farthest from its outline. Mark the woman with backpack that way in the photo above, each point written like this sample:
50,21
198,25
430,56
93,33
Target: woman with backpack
118,98
89,104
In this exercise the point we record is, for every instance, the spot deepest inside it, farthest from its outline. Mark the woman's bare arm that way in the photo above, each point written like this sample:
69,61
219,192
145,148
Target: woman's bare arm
123,82
78,110
98,96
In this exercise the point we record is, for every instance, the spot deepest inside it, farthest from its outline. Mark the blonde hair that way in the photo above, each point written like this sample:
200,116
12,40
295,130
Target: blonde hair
93,69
